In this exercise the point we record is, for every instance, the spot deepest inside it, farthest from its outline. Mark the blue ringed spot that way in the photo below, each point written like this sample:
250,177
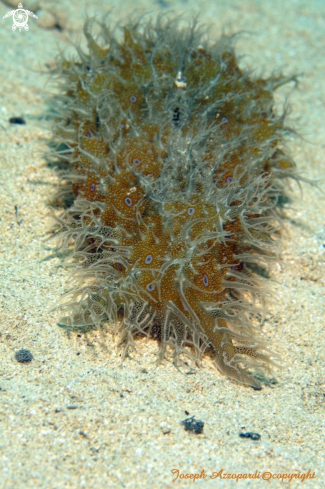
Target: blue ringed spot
133,99
92,187
148,259
136,161
128,201
190,211
225,120
205,280
229,179
151,287
122,126
88,135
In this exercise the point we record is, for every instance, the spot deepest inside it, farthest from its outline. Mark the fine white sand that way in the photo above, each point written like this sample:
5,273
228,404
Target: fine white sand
75,417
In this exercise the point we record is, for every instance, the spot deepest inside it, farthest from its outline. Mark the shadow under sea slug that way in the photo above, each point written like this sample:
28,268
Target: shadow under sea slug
170,155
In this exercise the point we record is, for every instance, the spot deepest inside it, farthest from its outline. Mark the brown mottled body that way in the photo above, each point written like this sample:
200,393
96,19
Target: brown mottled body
175,165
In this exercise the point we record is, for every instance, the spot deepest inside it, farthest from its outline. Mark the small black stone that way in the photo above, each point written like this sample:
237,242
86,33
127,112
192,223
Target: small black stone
23,356
249,434
192,424
17,120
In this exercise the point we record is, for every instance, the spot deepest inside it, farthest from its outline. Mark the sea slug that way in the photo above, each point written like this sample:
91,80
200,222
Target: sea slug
172,168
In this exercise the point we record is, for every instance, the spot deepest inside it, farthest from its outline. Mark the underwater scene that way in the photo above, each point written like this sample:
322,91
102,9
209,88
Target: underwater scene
162,244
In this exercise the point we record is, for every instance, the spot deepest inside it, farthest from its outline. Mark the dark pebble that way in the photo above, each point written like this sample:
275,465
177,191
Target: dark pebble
23,356
17,120
192,424
249,434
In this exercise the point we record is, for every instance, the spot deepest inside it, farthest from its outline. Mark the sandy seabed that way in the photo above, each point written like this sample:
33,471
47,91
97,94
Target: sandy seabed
74,416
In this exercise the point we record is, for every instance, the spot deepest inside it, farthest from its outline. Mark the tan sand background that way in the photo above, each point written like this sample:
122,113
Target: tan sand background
74,417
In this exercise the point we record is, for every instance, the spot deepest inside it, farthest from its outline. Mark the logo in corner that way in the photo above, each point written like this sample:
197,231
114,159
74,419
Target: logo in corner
20,18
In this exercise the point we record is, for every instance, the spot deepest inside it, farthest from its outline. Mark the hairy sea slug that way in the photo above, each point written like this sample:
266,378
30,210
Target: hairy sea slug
172,169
